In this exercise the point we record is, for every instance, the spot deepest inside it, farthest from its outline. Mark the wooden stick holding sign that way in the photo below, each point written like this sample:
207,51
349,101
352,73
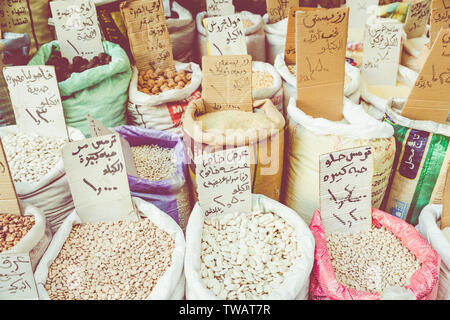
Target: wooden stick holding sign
346,190
77,29
98,180
227,83
36,100
9,203
430,97
224,181
16,277
217,8
321,42
148,34
445,220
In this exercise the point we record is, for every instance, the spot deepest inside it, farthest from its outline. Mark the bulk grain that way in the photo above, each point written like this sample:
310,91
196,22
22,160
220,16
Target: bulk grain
266,84
154,162
12,229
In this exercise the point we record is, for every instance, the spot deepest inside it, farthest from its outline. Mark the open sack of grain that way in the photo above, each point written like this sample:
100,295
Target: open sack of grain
266,84
38,172
430,228
122,260
261,130
309,137
391,261
156,102
162,171
264,254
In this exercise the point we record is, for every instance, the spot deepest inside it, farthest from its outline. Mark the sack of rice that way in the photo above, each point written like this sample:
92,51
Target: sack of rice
263,254
122,260
275,38
421,158
156,102
267,84
391,261
309,137
261,130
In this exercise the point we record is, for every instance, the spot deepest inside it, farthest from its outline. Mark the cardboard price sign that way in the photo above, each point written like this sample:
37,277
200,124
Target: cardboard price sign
445,220
227,83
224,181
439,19
216,8
98,180
430,97
148,34
97,129
226,35
36,100
357,16
417,18
278,10
8,197
382,51
346,190
76,27
16,278
321,44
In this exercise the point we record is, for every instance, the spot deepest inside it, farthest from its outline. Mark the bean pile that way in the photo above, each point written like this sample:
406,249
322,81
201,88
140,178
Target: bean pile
12,229
153,162
30,157
293,69
64,69
261,80
110,261
153,82
371,261
246,255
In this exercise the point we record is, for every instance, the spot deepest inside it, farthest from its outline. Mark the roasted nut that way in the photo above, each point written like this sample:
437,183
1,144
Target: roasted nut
12,229
153,83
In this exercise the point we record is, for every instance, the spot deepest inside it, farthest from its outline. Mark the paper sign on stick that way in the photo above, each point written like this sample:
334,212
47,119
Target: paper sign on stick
321,42
36,100
225,35
417,18
430,97
227,83
76,27
224,181
148,34
357,16
445,220
382,50
346,190
16,277
98,180
8,197
216,8
278,10
440,18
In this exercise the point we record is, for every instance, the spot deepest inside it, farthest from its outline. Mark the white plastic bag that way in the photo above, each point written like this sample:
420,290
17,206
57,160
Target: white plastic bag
169,286
295,285
37,239
255,38
182,34
275,92
52,193
351,90
429,228
275,37
309,137
163,111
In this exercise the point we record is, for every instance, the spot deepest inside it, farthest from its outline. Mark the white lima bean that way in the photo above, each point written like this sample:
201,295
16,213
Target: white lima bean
371,261
110,261
31,157
153,162
246,255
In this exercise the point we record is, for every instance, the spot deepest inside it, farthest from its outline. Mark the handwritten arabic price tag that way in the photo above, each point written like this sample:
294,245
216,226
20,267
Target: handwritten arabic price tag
224,181
226,35
382,48
36,101
357,16
346,190
97,177
278,10
97,129
16,278
446,201
8,197
217,8
15,17
227,83
148,34
440,18
76,27
417,18
430,97
321,42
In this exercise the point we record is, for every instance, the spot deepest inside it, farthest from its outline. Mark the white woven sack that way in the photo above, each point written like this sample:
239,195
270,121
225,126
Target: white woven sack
182,33
163,111
255,38
170,284
275,37
52,193
296,284
275,92
429,228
